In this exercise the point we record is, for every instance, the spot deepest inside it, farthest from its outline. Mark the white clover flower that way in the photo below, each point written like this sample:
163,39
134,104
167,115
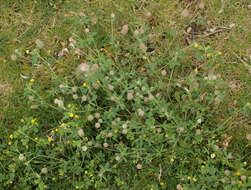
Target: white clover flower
124,131
243,178
44,170
124,29
130,96
105,145
148,14
112,15
140,112
110,87
84,98
90,118
74,89
213,155
89,143
199,121
13,57
124,126
117,158
227,172
39,43
109,134
143,47
84,148
75,96
139,166
97,115
81,132
87,30
84,67
198,131
97,125
100,120
21,157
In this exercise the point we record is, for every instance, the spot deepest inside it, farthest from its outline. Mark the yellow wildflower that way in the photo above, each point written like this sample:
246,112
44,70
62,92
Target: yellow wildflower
36,139
188,177
219,53
56,129
245,163
11,136
49,139
33,121
86,172
27,51
71,115
76,116
195,45
86,138
171,160
161,183
237,173
53,178
9,143
116,131
22,120
76,187
202,166
209,55
144,135
196,70
69,105
32,80
240,182
84,84
194,179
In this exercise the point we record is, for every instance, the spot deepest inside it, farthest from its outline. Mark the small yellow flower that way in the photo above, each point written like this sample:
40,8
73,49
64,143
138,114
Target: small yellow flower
151,189
52,132
188,177
86,138
63,124
237,173
11,136
36,139
194,179
115,166
144,135
196,70
84,84
245,163
240,182
9,143
71,115
76,187
54,179
122,182
76,116
95,185
172,160
86,172
69,105
202,166
22,120
209,55
219,53
27,51
49,139
32,80
116,131
33,121
195,45
56,129
248,104
98,81
161,183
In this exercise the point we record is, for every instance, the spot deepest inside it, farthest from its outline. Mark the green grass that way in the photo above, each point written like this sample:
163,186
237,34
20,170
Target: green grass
54,22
